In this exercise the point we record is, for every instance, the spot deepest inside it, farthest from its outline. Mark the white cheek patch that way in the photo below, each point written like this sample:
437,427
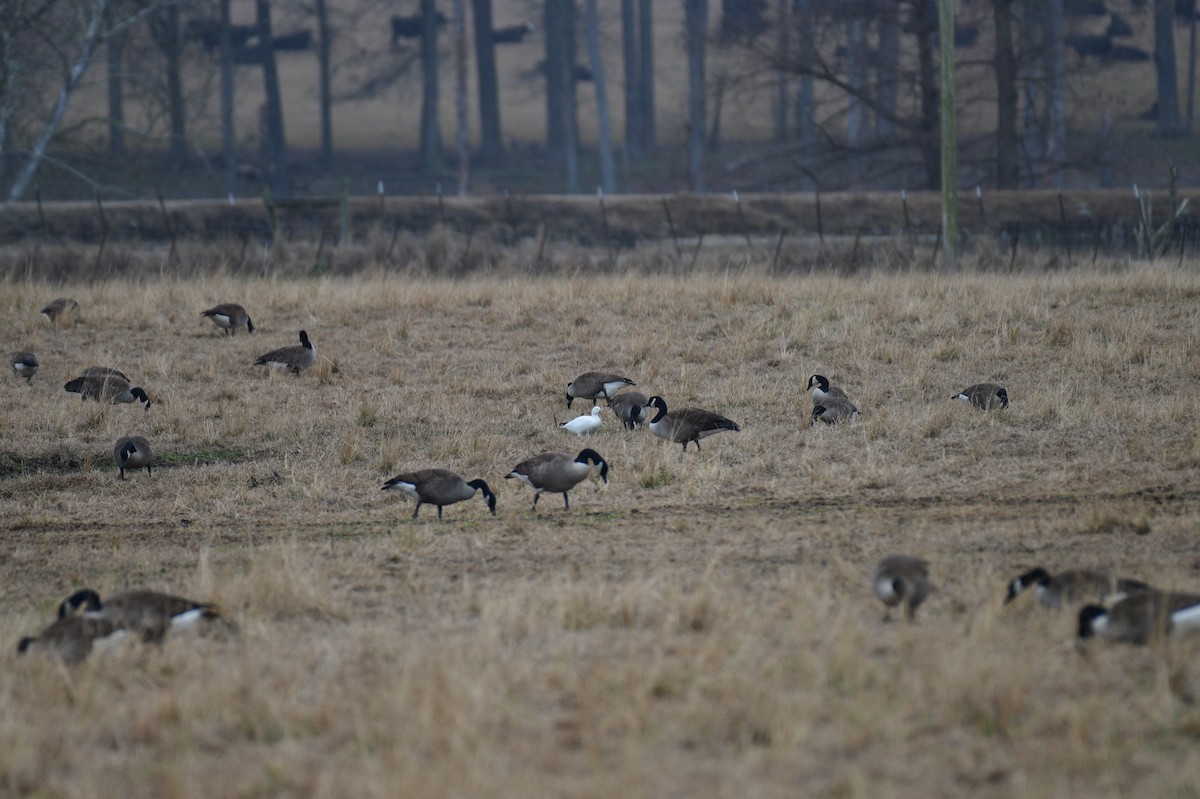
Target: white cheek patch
886,591
186,621
1100,625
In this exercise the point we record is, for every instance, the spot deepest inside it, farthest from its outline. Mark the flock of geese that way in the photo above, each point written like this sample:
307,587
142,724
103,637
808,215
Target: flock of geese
1111,607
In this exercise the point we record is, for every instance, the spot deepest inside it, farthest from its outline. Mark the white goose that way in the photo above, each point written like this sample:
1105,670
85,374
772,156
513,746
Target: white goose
584,425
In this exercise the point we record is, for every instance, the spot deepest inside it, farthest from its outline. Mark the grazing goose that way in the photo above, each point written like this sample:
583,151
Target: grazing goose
629,406
148,613
1072,587
985,396
584,425
24,364
1142,617
133,452
557,472
107,389
439,487
104,371
71,638
902,579
230,316
62,308
832,410
594,385
296,358
821,389
685,425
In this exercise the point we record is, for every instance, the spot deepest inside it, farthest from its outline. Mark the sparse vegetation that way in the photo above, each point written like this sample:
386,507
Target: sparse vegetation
699,626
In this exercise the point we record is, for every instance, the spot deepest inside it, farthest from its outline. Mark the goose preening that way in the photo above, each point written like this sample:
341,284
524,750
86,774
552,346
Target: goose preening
1072,587
133,452
630,408
902,579
148,613
63,308
832,410
821,389
71,638
24,364
594,385
557,472
296,358
584,425
439,487
686,425
229,316
985,396
1142,617
107,389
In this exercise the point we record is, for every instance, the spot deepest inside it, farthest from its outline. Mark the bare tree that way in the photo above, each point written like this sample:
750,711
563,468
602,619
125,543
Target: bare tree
431,134
324,78
782,81
460,96
632,74
228,137
696,36
1056,98
489,90
646,85
1169,124
608,179
281,176
164,30
44,44
1006,96
116,96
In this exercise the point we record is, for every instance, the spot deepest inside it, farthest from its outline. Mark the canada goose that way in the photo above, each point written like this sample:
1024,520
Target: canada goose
296,358
104,371
107,389
1141,617
148,613
1072,587
62,308
71,638
594,385
133,452
584,425
24,364
832,410
629,406
557,472
685,425
821,389
985,396
230,316
902,579
439,487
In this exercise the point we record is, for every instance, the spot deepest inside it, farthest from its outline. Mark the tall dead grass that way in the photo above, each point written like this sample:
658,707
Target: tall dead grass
699,626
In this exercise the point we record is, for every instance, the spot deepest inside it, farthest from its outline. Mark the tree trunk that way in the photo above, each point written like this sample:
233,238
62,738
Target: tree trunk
1164,65
782,90
1032,39
460,96
696,36
887,70
431,131
172,46
949,136
856,53
804,22
228,137
281,176
570,109
1006,97
646,83
1056,95
556,75
491,142
1191,78
930,141
633,101
116,98
608,178
324,42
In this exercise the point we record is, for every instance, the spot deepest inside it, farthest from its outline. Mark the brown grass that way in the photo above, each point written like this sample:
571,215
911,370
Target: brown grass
700,626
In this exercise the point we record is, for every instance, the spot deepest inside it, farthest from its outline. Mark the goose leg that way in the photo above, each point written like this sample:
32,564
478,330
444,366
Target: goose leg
439,513
417,509
566,501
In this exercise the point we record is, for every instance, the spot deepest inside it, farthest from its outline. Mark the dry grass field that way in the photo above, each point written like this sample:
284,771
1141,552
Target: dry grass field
701,626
